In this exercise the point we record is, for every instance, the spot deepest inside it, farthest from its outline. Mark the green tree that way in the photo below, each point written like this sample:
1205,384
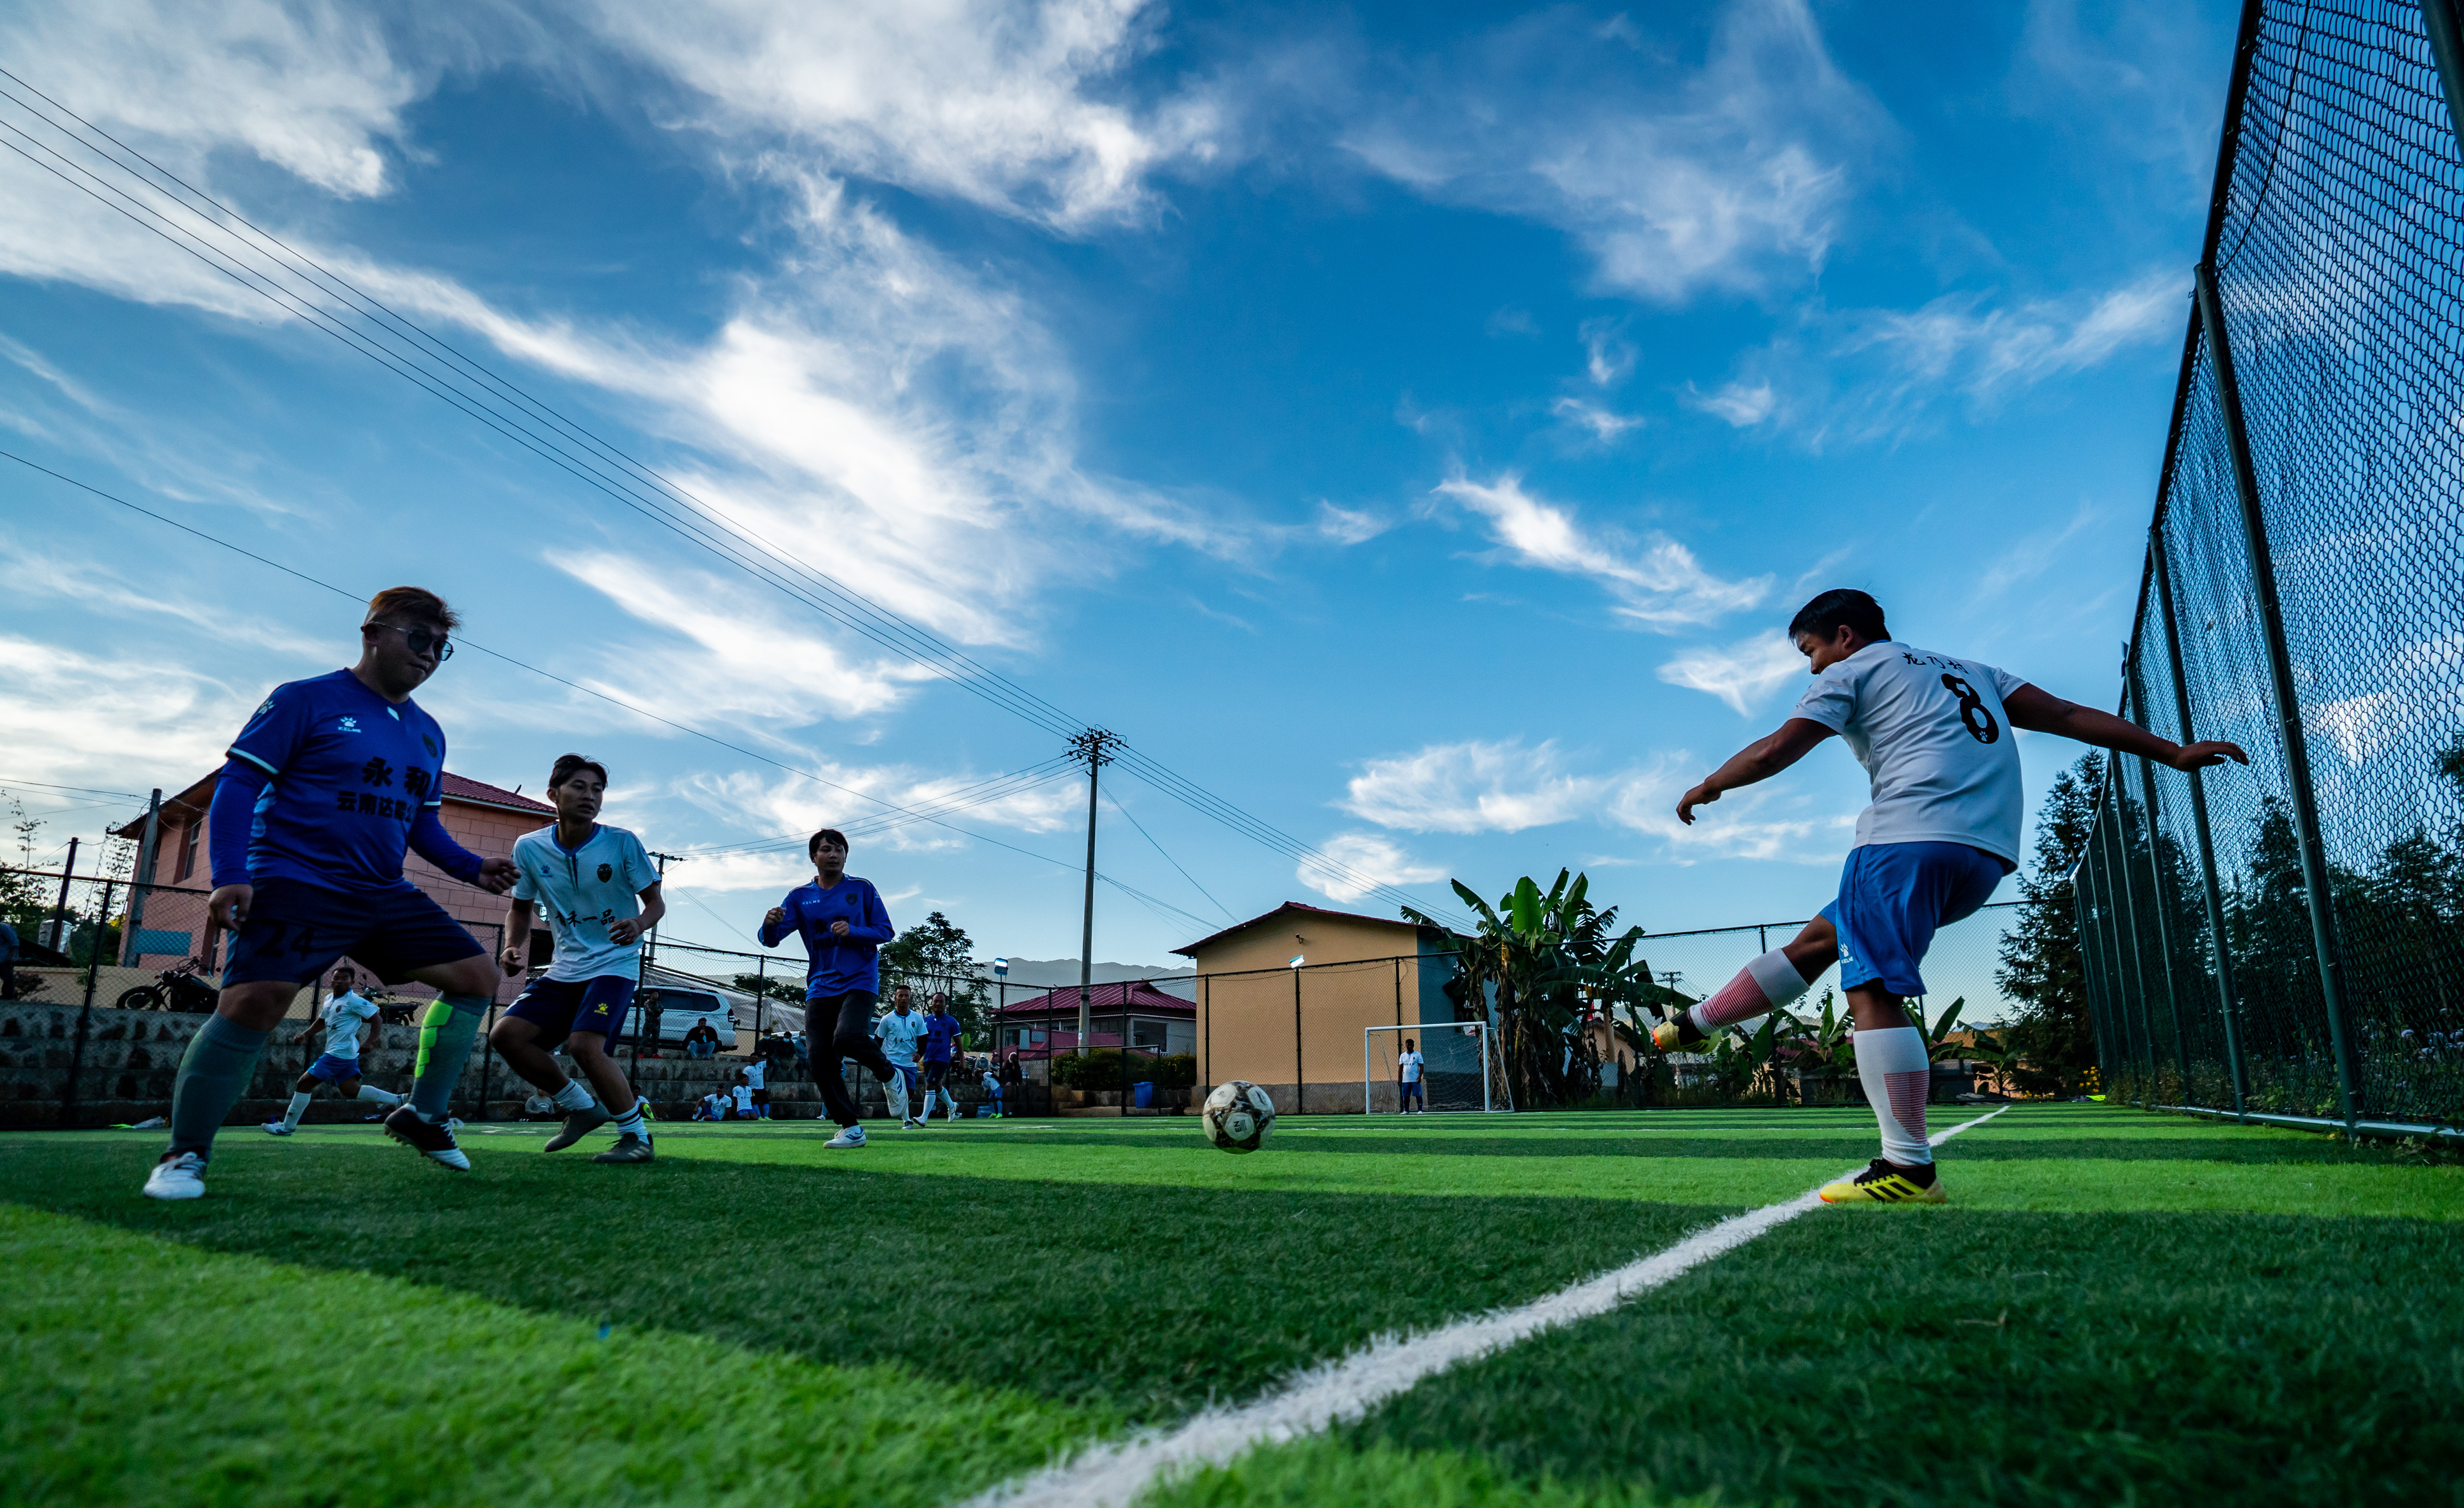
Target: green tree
2054,1038
938,954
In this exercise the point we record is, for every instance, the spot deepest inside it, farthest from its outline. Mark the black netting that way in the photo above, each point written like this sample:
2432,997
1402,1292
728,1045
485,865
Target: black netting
2336,257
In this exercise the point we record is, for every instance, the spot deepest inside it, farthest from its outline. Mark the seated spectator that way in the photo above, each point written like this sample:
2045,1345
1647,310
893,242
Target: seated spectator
702,1042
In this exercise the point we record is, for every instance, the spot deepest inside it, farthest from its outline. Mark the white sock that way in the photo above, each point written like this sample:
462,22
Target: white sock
895,1089
573,1097
1896,1073
1764,985
298,1108
630,1123
376,1096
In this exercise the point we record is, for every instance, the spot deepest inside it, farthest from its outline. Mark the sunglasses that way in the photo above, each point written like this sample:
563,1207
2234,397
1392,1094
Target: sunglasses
422,640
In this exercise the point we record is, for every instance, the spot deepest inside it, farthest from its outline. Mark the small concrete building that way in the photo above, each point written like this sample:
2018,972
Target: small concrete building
1283,999
1131,1013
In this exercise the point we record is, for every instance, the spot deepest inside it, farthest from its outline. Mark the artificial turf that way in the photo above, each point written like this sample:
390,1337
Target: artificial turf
2116,1306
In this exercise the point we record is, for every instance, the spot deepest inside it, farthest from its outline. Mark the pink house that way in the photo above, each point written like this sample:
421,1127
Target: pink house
482,818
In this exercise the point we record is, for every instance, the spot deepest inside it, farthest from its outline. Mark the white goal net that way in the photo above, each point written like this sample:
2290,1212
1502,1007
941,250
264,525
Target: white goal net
1455,1068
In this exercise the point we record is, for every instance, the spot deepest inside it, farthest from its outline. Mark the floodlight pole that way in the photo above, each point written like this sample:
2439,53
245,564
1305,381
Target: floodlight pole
2438,19
1095,746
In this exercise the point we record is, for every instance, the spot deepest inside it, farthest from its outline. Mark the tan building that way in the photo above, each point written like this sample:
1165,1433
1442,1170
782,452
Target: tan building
171,921
1283,1000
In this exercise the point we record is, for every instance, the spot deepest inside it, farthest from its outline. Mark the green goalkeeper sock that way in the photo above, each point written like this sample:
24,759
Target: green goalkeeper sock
445,1033
214,1074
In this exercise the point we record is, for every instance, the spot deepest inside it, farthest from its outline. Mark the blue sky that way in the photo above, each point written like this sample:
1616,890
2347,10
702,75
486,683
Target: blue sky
1409,423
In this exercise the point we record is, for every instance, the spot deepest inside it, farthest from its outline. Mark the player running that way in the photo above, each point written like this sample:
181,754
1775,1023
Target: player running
325,787
601,894
901,1031
940,1049
350,1025
844,925
1941,833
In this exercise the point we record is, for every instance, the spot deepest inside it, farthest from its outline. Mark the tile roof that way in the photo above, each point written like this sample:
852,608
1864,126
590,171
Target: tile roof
1136,994
479,793
1294,905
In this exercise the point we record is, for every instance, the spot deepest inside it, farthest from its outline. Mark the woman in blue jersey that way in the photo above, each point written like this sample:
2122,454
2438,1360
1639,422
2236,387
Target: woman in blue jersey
844,924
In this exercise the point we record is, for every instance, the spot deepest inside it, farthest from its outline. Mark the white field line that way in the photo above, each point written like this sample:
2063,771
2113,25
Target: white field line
1113,1475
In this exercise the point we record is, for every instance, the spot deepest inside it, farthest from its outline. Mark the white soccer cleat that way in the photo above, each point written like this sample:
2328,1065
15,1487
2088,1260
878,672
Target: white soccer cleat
182,1177
849,1136
274,1129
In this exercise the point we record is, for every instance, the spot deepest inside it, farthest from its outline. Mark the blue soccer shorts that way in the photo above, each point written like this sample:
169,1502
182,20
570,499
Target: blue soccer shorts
1412,1092
934,1072
296,932
331,1069
1893,897
560,1007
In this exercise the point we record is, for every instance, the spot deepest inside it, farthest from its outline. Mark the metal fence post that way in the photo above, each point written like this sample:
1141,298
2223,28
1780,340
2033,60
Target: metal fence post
2130,978
2288,703
2438,20
2220,949
2156,879
86,1013
1300,1075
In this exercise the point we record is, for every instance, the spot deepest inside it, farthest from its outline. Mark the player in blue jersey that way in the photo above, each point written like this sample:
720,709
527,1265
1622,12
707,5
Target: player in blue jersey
323,791
900,1031
349,1022
844,924
940,1049
601,893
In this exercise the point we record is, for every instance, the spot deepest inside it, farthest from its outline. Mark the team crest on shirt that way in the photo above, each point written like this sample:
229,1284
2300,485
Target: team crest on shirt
606,872
348,725
430,740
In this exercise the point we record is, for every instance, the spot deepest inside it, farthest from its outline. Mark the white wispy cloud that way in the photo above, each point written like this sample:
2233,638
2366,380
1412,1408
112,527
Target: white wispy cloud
1728,176
1350,526
1603,425
1861,375
1741,675
1471,787
1656,580
1365,859
1508,787
122,722
993,101
756,805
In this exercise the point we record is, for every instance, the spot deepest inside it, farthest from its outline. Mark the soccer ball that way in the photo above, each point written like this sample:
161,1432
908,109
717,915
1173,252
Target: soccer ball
1238,1115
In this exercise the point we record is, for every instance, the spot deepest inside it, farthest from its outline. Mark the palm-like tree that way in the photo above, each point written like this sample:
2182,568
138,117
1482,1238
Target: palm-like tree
1548,961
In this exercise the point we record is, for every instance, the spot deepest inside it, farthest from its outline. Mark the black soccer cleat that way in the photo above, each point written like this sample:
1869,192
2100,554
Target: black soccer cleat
578,1125
429,1139
628,1149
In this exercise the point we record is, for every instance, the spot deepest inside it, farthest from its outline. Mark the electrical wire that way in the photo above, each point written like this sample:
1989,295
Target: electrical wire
270,268
1169,859
614,701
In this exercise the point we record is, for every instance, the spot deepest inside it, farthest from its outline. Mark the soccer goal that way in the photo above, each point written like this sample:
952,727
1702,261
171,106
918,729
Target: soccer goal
1460,1069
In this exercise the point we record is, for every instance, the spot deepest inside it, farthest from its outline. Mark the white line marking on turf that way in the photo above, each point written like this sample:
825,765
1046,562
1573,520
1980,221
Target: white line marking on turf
1112,1476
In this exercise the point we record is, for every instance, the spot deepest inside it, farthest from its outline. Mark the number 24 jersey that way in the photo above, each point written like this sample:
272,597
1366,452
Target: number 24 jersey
1933,737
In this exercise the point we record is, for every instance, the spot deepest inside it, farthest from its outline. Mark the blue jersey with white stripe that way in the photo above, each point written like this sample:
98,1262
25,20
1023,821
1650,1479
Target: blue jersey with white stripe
348,772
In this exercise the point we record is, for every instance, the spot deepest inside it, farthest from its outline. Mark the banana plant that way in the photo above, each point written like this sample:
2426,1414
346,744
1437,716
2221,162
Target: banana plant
1937,1033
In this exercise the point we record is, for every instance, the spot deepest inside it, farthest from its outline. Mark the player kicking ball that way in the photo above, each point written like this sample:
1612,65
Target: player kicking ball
844,924
1934,734
350,1026
322,792
601,893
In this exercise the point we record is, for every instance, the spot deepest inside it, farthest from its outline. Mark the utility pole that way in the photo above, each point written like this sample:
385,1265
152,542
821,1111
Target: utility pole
650,950
1095,746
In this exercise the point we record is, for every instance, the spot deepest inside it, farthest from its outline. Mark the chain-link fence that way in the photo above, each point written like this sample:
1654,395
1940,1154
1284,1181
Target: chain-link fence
2282,940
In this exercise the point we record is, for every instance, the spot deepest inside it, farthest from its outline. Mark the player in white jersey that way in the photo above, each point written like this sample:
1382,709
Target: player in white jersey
1934,734
350,1025
601,894
900,1031
1409,1066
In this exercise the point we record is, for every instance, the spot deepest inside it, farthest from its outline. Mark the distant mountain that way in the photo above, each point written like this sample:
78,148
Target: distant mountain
1042,973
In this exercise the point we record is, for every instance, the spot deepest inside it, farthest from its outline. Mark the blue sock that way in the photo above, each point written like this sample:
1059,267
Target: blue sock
214,1074
446,1034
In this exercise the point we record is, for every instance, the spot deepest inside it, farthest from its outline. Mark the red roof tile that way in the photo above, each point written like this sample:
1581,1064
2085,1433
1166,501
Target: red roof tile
479,793
1296,905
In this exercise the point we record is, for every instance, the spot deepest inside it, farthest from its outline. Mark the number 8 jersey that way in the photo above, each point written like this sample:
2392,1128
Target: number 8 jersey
1932,735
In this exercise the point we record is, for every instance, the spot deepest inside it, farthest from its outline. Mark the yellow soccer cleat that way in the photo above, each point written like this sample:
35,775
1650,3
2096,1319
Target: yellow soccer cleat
1677,1032
1884,1184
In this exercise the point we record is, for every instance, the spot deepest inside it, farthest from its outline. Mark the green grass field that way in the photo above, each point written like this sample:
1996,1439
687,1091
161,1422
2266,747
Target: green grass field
2115,1307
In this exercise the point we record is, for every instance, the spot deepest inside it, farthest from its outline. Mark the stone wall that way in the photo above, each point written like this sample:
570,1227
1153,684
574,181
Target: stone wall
130,1057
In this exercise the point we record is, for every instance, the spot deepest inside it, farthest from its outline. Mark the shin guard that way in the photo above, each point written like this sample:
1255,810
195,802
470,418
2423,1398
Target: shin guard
446,1034
1896,1072
1762,985
214,1074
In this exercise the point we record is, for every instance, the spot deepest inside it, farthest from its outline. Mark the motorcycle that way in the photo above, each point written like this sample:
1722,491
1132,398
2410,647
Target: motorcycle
177,989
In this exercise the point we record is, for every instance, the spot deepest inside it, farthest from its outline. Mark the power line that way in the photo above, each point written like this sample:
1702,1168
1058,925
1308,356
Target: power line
1169,859
83,789
272,269
613,701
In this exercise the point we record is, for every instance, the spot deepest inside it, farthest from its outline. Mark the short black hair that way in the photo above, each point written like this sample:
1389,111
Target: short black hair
831,833
1840,605
567,764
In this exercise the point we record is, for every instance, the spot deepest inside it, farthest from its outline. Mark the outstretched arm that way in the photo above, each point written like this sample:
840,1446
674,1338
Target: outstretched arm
2040,711
1758,760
